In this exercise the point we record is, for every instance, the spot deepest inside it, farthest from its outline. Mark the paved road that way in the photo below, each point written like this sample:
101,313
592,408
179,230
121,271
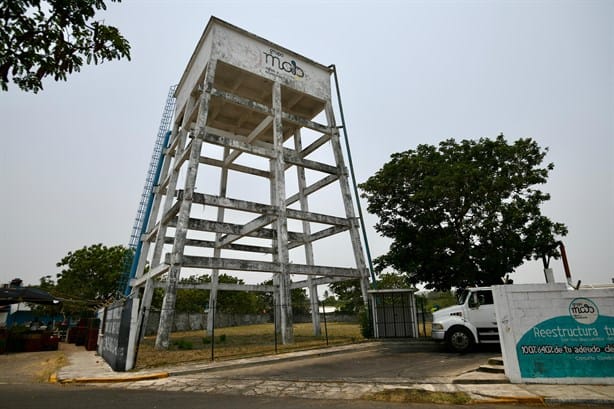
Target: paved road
71,397
331,381
347,376
395,361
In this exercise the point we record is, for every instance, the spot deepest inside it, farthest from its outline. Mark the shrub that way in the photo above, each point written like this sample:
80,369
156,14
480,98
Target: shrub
366,323
183,344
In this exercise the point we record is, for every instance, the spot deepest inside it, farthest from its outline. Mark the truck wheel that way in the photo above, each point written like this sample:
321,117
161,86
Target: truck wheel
459,339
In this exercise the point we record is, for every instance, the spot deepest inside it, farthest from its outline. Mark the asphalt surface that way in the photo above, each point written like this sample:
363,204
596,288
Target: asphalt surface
351,373
79,397
391,361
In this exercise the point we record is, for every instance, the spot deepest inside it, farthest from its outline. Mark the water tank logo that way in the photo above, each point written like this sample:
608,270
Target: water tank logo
584,311
274,59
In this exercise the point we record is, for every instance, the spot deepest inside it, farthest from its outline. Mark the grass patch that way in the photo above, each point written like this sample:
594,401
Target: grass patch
418,396
183,344
238,342
50,366
422,327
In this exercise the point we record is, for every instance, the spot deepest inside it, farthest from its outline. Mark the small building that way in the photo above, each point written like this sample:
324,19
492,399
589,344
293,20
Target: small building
394,313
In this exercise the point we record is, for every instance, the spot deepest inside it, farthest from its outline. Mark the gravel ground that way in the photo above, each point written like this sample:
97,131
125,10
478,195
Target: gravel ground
30,367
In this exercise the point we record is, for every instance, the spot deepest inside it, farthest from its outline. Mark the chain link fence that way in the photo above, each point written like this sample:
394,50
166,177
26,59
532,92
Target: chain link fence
244,335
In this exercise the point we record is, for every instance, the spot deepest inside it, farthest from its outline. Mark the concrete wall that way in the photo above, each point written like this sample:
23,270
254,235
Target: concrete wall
116,342
550,334
196,321
242,49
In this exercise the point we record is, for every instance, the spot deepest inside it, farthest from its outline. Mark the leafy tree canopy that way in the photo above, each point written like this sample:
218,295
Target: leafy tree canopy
349,296
236,302
298,298
191,300
89,276
300,301
329,300
194,300
390,281
41,38
231,302
464,213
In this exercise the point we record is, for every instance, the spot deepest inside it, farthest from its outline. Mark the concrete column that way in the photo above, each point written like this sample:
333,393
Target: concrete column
217,251
145,302
170,295
181,134
172,183
313,289
279,189
348,203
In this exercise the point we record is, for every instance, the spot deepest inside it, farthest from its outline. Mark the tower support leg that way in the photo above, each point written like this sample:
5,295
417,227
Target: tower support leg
348,204
170,295
313,289
279,201
217,251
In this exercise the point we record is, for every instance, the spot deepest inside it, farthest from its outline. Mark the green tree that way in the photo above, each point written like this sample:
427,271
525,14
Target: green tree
349,295
440,299
236,302
192,300
47,284
465,213
392,281
41,38
298,296
89,276
329,300
300,302
196,300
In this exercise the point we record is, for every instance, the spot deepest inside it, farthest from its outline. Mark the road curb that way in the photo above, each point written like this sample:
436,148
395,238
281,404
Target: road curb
563,401
144,377
516,400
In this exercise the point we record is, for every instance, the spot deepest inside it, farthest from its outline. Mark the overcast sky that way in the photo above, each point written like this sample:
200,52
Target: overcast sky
74,156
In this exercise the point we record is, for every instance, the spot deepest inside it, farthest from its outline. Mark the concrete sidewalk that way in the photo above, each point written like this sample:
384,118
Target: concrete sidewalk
87,367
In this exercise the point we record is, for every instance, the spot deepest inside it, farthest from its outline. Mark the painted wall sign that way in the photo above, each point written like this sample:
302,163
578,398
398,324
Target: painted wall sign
275,62
117,344
577,345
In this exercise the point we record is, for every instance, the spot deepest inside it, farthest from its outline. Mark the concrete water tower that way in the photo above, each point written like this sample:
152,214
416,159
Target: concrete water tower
251,117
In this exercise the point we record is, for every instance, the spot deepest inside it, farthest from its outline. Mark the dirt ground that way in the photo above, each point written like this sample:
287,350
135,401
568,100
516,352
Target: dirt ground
31,367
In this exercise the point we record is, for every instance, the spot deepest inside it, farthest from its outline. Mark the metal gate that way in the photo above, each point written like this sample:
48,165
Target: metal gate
394,313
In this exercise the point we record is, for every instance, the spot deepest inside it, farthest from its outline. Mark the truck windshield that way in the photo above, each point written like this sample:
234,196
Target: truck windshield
461,295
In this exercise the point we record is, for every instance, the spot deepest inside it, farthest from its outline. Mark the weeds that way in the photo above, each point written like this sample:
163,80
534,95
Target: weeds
244,341
419,396
183,344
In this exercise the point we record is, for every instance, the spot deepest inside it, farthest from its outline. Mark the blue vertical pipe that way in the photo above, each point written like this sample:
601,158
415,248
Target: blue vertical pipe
351,165
150,199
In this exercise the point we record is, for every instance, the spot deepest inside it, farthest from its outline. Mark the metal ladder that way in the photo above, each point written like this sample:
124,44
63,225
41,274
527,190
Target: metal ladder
151,180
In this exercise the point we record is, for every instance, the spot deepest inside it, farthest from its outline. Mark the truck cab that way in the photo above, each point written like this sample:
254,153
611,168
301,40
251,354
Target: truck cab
471,322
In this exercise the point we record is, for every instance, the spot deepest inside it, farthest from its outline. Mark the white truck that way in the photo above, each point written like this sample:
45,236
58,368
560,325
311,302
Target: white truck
471,322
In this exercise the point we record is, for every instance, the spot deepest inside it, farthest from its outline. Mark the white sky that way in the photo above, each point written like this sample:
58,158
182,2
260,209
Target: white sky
74,156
